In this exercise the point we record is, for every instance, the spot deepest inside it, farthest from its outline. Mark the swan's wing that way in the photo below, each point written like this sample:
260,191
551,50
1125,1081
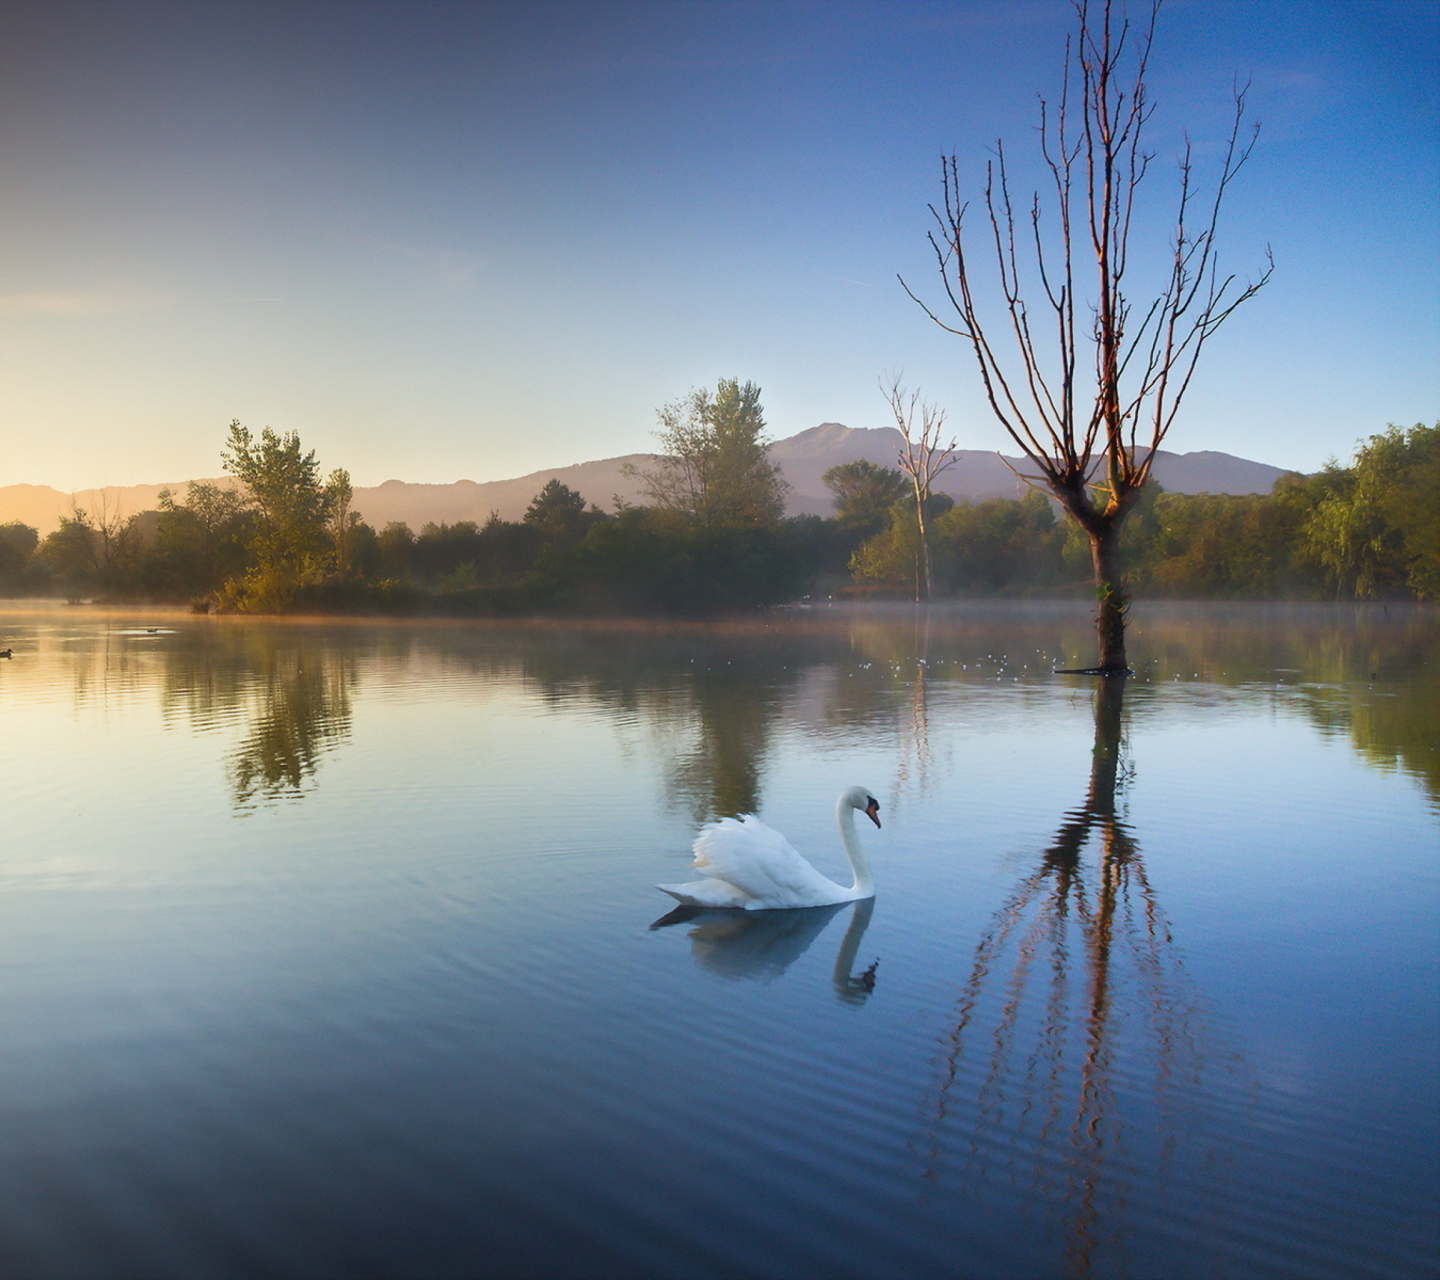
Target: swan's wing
760,862
706,893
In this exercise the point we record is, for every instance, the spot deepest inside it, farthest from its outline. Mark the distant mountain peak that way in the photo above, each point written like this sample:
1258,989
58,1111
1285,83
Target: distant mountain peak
830,436
804,458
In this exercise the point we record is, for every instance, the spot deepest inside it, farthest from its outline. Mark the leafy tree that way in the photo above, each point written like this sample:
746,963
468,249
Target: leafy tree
1377,531
93,552
653,560
822,548
448,553
560,513
290,507
18,543
396,545
1002,544
892,558
1217,545
70,551
201,542
864,494
463,555
364,550
343,523
1413,503
716,468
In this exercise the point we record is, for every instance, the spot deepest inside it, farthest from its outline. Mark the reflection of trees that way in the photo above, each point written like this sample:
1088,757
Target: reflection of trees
1077,951
712,696
764,944
292,699
299,706
1366,671
915,760
206,677
719,776
288,692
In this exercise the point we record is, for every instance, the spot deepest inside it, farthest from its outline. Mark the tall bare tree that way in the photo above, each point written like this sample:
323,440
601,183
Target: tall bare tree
1093,452
922,458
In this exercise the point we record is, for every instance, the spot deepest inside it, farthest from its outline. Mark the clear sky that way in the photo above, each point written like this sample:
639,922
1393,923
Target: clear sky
457,240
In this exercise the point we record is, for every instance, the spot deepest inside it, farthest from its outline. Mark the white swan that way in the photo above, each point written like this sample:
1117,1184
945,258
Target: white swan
750,865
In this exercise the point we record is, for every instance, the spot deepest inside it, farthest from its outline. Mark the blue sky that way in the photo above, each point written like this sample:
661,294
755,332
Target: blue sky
446,240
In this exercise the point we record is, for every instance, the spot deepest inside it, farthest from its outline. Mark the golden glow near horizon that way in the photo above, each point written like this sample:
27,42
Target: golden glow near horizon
465,241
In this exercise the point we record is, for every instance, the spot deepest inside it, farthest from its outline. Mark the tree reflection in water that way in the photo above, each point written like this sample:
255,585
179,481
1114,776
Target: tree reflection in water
915,762
1078,950
719,776
299,707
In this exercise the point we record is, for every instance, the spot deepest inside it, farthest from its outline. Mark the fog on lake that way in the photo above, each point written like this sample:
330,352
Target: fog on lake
332,948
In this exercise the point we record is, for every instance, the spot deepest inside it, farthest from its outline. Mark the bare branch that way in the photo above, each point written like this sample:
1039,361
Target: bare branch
1094,458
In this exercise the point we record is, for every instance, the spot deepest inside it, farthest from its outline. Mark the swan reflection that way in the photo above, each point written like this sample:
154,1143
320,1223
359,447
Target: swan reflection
762,945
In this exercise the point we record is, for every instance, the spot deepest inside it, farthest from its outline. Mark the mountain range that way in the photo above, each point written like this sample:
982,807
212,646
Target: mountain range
804,459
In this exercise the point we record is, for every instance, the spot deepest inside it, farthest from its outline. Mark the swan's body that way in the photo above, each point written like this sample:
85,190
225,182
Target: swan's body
749,865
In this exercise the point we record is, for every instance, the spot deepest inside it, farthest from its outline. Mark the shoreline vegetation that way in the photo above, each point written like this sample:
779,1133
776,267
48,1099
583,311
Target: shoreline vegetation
712,543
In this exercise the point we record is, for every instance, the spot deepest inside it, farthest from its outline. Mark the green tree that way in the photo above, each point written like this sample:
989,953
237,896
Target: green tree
290,507
1214,545
396,546
94,552
652,560
560,513
892,558
343,524
1377,531
200,542
864,494
715,466
18,543
999,545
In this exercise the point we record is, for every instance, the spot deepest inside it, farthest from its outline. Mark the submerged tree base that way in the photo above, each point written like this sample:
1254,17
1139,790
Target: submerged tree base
1093,671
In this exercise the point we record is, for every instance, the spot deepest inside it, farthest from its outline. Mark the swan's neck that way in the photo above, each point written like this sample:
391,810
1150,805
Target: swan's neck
864,885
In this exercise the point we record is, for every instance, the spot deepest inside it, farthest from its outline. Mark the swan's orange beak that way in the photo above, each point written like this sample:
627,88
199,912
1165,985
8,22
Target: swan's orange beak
872,811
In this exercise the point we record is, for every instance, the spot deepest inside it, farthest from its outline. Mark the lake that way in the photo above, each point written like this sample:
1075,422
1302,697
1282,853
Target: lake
332,948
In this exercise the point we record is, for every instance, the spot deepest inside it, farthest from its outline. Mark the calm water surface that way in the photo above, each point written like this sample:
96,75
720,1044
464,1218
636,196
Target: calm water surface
332,949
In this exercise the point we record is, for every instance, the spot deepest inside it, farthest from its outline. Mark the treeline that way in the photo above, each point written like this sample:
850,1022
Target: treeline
283,538
1367,531
712,539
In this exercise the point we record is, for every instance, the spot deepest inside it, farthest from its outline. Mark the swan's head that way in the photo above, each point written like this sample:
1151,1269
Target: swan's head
860,798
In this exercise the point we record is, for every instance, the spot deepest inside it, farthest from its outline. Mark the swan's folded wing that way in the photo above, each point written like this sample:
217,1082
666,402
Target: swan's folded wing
758,860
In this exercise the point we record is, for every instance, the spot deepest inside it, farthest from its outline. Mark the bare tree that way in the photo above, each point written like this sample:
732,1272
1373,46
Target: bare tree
922,458
1093,454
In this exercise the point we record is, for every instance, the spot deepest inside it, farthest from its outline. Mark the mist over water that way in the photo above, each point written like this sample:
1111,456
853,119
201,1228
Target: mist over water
332,948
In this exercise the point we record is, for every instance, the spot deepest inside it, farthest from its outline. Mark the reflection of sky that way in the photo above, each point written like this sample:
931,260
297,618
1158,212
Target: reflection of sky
479,239
437,957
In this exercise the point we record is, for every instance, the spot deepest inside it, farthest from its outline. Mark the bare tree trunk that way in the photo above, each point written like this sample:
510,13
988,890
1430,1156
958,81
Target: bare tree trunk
1111,602
923,458
924,589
